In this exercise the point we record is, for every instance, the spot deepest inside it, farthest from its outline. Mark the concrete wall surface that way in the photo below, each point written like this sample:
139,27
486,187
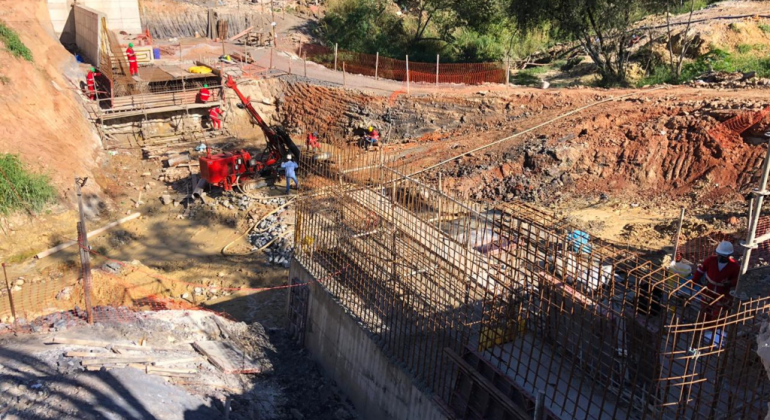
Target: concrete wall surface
379,389
87,32
122,15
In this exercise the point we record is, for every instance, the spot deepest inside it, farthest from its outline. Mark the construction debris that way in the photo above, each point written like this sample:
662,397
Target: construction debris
226,357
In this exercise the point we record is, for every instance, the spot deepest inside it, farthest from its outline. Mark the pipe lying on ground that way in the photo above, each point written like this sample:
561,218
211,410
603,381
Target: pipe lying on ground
89,235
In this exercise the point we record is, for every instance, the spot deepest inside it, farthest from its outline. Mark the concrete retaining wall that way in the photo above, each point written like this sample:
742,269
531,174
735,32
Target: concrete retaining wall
379,389
87,32
122,15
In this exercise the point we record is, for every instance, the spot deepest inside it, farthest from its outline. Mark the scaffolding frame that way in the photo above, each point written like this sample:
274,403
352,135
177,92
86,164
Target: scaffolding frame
600,331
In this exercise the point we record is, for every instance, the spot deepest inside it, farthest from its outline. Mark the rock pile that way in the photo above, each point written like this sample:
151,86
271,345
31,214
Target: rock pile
272,233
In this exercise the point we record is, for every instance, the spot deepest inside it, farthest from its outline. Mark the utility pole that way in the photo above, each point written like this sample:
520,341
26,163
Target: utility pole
85,256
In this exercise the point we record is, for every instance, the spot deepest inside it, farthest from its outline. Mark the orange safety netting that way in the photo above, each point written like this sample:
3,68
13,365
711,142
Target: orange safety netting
120,291
389,68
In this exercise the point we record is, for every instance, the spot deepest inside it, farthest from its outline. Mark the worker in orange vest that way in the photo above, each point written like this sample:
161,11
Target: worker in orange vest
214,114
312,141
133,67
91,81
205,94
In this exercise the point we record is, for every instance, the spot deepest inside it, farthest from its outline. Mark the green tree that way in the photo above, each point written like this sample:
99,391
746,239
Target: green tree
600,26
364,26
447,16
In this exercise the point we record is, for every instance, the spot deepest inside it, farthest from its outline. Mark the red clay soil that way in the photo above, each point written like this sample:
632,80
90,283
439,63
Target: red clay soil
654,144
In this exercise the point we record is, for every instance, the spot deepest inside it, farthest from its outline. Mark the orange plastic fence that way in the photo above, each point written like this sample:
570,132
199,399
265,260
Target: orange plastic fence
389,68
120,292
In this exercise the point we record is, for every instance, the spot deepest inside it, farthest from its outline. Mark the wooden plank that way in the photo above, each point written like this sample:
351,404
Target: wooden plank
148,111
226,357
240,34
116,360
95,343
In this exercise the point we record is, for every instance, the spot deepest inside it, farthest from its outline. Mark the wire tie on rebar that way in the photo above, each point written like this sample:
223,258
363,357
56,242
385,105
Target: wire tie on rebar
694,353
753,245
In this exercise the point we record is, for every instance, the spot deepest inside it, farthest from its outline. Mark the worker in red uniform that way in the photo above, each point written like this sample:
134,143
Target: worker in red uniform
133,67
204,94
214,114
91,81
719,273
372,138
312,141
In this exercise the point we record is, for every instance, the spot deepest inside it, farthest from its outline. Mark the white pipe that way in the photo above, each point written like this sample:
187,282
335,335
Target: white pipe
89,235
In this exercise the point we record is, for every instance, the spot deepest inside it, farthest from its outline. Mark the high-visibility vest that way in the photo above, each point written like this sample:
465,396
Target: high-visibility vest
205,95
131,55
90,79
215,112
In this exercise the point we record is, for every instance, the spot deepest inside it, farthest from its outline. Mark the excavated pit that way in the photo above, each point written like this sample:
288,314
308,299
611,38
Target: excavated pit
652,145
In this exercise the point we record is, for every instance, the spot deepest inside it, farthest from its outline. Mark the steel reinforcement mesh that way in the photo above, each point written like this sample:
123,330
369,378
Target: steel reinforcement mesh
603,333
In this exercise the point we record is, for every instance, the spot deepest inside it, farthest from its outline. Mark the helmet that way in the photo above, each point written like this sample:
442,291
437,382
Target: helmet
93,69
130,45
205,86
725,249
371,129
288,157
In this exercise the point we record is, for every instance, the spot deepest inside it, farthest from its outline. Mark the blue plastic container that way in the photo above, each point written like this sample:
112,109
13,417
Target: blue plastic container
156,53
581,241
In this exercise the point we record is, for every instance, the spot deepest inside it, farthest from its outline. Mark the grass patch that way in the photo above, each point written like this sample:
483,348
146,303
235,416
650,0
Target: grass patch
684,7
13,44
744,48
764,28
718,60
21,189
735,27
529,77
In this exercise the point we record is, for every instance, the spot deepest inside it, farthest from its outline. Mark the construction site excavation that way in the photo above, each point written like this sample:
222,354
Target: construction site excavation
370,209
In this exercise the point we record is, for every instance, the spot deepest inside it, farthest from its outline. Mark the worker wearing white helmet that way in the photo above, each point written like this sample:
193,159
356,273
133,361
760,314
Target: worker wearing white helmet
719,273
290,166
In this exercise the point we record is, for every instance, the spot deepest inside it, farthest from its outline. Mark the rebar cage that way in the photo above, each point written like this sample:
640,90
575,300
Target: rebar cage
600,331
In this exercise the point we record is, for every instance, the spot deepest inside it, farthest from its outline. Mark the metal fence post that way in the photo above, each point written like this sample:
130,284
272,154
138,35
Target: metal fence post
437,63
85,257
271,57
407,75
377,66
678,233
10,300
335,57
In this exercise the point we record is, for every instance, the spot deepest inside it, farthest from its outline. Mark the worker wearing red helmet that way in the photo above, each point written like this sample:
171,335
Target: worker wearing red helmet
312,141
91,82
719,273
133,66
204,94
215,113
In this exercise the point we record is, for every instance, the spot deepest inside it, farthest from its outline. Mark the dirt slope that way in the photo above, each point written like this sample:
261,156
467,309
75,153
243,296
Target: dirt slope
41,118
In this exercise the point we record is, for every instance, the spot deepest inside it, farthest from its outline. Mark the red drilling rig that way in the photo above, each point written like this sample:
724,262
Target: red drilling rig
241,169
